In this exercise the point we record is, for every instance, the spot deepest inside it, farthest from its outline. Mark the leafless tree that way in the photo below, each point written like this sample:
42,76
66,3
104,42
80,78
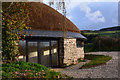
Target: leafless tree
61,5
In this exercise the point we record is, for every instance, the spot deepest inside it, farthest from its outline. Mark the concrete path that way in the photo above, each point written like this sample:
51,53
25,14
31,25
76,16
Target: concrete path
108,70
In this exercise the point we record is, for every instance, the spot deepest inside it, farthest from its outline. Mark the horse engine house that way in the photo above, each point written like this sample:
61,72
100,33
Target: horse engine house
55,40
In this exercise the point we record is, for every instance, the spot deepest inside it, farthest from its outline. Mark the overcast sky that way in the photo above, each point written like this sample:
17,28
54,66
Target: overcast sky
93,15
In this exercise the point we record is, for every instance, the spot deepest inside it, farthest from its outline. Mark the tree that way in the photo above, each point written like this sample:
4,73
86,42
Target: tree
61,6
15,17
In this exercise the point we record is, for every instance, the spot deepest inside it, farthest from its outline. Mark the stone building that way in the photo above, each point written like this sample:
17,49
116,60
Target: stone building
55,40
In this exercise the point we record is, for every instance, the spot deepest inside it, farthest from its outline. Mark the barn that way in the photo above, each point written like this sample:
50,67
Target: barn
55,40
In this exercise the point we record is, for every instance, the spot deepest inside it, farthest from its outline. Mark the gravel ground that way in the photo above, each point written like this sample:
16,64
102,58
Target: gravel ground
108,70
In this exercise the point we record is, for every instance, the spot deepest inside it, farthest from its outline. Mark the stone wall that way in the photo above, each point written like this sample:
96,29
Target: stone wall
71,52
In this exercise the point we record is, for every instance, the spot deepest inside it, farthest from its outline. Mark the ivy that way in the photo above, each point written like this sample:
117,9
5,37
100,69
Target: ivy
15,16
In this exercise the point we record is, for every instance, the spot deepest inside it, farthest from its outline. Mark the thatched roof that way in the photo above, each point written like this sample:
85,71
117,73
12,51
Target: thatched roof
46,18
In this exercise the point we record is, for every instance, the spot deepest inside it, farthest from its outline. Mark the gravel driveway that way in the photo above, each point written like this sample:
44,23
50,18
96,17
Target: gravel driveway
108,70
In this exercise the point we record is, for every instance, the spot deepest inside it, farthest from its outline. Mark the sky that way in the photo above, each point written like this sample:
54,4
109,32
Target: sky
94,15
91,14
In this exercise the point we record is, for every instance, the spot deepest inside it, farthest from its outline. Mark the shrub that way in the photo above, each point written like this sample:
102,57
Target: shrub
28,70
106,44
103,44
10,69
90,47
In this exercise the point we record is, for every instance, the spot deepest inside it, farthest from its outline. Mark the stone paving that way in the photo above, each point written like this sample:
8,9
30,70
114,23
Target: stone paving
108,70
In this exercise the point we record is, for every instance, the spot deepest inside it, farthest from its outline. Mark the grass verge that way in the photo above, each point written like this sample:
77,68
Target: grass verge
29,70
95,60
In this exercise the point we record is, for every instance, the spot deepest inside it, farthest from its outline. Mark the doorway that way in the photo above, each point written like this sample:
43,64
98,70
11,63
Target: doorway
43,52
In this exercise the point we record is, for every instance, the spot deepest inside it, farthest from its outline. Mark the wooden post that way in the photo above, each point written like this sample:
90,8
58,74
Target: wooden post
50,48
58,50
39,52
26,51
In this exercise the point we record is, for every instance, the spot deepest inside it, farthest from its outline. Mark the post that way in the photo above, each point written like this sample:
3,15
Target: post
39,52
26,51
58,50
50,48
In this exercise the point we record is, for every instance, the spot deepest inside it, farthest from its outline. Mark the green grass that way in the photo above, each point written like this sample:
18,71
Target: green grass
28,70
105,33
95,60
91,33
102,32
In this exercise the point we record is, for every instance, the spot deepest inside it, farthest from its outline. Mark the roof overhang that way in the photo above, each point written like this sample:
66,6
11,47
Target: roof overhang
54,34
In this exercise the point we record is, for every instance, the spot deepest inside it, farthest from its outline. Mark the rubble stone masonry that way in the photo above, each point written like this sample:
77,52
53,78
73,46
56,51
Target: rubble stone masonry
72,52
